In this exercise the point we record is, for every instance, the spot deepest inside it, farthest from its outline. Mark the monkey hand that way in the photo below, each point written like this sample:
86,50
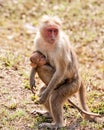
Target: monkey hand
43,97
32,86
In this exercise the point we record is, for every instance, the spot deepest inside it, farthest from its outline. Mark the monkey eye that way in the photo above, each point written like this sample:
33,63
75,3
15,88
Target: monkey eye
52,30
49,30
55,31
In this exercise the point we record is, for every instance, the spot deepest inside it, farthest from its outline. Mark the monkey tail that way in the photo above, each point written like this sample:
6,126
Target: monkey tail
83,112
82,97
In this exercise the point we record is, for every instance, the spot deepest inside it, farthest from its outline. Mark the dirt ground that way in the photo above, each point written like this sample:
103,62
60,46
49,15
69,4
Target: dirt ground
84,24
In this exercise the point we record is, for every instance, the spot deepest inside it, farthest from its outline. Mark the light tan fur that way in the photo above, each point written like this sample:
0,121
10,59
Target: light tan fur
62,77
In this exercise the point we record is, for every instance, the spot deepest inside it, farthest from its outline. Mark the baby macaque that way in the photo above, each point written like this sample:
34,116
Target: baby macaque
37,59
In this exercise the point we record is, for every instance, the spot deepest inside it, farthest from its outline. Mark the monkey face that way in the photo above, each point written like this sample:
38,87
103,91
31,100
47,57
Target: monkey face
51,34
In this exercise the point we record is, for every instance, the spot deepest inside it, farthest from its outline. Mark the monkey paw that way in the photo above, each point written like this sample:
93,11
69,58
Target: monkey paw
32,86
42,100
52,126
32,83
43,97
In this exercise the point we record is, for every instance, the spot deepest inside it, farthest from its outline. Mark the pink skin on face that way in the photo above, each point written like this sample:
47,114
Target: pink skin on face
51,34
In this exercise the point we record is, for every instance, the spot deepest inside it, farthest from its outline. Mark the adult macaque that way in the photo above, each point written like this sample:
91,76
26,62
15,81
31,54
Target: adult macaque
62,76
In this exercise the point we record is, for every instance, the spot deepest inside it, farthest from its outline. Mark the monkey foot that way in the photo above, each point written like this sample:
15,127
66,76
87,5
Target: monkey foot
51,126
41,113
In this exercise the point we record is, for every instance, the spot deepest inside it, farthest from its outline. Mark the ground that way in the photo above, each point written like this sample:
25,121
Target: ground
83,21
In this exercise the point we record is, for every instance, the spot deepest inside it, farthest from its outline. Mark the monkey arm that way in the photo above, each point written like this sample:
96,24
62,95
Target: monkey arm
55,80
32,81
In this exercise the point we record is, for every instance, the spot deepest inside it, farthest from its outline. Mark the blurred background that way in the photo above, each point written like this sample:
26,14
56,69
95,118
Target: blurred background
83,22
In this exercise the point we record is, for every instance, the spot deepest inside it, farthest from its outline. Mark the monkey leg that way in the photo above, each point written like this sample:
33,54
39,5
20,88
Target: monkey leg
46,105
57,99
56,105
46,72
